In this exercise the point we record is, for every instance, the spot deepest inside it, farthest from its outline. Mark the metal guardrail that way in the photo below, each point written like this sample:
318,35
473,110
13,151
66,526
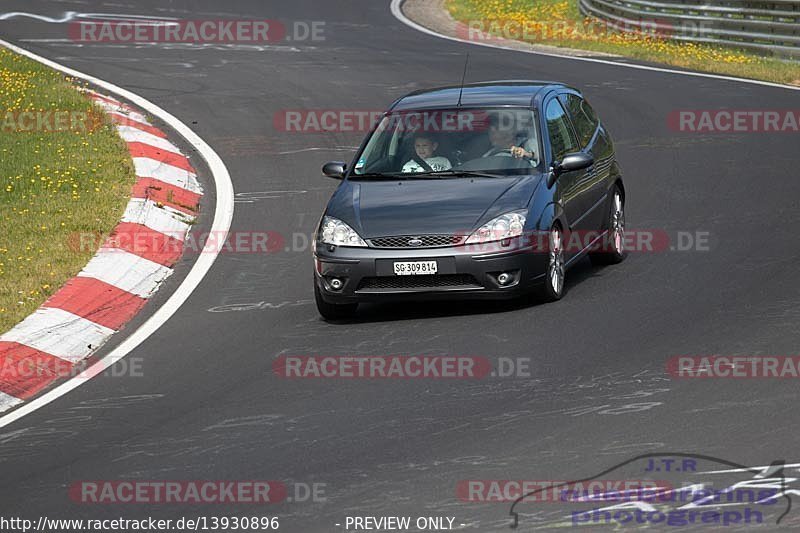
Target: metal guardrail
766,27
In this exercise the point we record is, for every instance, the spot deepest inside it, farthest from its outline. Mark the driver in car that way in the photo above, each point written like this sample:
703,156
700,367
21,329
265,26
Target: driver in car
503,135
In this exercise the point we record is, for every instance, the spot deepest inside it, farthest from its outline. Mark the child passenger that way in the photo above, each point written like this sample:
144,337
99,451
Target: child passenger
425,148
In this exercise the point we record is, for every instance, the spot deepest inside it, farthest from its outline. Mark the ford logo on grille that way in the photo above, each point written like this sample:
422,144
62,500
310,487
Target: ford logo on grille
416,241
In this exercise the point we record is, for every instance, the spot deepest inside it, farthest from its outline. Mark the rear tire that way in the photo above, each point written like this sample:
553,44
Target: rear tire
332,311
613,243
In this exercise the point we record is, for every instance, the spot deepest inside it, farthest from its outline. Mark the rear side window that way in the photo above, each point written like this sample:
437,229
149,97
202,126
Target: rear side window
562,140
583,117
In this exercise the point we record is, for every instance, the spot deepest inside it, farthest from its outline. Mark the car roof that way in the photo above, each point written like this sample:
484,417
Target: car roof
487,93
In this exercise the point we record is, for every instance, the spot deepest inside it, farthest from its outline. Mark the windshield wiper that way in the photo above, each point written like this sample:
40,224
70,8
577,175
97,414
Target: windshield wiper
463,173
381,175
437,174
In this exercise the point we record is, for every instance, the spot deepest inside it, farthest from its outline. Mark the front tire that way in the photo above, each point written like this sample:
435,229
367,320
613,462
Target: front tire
553,288
332,311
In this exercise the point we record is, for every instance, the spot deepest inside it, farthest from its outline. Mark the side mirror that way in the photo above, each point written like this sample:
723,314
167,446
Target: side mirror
334,169
573,161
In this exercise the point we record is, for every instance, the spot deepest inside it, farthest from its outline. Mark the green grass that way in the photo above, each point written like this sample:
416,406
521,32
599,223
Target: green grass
704,58
53,186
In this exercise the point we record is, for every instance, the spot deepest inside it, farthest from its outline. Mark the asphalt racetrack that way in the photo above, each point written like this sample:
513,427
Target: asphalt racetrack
208,406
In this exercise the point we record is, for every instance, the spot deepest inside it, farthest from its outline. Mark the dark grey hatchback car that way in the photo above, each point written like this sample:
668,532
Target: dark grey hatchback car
489,190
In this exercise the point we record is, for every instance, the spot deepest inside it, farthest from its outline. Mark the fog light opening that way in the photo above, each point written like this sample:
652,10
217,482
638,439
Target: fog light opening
336,284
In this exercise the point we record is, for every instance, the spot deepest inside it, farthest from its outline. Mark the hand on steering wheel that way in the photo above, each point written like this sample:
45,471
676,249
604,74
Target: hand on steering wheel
519,152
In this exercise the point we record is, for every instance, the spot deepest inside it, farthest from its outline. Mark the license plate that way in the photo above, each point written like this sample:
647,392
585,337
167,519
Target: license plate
415,268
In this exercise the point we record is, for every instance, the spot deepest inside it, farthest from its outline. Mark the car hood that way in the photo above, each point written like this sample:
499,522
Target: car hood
428,206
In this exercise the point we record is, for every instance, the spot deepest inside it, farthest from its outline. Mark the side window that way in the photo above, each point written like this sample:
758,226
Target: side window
562,139
583,117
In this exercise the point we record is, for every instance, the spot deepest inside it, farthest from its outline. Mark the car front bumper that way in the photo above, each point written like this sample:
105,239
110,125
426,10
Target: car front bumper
367,274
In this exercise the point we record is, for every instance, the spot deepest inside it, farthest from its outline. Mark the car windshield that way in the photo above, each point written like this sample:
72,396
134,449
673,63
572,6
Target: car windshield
446,143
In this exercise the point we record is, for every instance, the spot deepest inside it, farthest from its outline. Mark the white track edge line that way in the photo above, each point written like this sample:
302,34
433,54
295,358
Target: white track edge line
396,7
223,215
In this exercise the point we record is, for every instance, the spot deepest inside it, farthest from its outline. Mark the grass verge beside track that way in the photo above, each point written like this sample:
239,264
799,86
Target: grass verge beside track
61,175
560,23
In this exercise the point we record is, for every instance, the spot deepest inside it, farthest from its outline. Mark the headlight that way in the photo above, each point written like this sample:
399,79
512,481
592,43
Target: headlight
334,231
503,227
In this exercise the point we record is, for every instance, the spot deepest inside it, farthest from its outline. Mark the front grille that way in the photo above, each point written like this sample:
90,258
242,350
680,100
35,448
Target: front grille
419,282
419,241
